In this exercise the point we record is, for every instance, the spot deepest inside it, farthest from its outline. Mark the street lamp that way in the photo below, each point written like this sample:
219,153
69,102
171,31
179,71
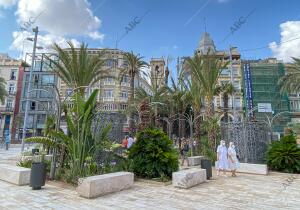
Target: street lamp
35,30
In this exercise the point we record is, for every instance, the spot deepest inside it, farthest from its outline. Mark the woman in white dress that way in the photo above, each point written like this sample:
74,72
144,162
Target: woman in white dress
222,154
232,159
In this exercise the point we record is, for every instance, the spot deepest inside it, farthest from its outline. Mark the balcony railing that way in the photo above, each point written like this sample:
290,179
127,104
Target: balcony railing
6,109
109,83
108,99
126,84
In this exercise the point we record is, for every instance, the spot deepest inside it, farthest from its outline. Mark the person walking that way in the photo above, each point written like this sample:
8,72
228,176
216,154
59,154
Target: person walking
232,159
130,142
7,140
184,152
222,155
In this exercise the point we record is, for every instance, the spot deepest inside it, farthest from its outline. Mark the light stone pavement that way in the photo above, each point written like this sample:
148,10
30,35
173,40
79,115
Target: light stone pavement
242,192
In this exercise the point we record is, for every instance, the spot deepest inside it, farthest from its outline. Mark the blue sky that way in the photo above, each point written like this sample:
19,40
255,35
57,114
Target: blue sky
169,28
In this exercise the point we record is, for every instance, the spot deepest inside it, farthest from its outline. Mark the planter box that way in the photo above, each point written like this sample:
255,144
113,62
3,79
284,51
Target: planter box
188,178
250,168
95,186
15,174
195,160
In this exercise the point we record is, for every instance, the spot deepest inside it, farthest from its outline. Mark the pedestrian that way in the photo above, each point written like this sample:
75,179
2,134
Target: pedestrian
222,155
125,142
184,151
232,159
7,140
130,141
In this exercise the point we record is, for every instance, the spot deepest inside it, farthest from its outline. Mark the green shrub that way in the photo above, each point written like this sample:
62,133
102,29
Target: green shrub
153,155
206,149
284,155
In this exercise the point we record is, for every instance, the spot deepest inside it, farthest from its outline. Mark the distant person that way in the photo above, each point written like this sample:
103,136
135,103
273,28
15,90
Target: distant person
232,159
222,154
130,142
184,151
125,142
7,140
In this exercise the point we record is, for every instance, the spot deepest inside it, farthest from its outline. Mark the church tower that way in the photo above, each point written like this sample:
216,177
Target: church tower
157,67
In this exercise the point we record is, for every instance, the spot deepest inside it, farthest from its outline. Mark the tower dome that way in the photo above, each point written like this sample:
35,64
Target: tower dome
206,44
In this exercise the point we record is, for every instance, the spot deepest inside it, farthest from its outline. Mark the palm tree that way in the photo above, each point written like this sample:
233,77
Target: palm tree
3,92
205,70
156,99
291,81
194,94
77,68
177,104
227,89
135,63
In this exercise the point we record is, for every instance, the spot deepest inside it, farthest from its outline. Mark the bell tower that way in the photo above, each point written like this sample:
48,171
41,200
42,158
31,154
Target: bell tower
157,67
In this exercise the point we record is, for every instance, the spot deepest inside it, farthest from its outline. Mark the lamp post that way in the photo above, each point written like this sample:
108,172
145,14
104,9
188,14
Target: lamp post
35,30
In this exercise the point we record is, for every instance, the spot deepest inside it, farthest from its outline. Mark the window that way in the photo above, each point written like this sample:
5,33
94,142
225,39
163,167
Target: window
236,85
13,74
108,94
125,63
9,105
124,95
47,79
109,80
11,88
123,106
110,62
36,79
30,120
32,105
225,72
237,102
125,79
109,107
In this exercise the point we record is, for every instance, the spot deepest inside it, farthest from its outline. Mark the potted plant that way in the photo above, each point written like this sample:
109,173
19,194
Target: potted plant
38,173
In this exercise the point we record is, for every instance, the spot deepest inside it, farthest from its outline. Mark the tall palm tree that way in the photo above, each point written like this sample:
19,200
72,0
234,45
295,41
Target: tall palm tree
205,69
177,104
77,68
291,81
157,98
194,94
227,89
135,63
3,92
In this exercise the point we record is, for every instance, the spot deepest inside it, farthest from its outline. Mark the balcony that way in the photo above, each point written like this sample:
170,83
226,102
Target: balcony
108,99
7,109
125,84
123,99
109,83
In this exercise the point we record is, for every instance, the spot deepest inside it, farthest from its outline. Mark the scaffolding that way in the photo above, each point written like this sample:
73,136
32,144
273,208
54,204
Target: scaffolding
265,75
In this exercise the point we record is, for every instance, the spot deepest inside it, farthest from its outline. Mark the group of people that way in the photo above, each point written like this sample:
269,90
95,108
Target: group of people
128,142
227,158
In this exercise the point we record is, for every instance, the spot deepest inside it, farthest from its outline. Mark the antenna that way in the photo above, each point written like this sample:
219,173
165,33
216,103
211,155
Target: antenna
204,24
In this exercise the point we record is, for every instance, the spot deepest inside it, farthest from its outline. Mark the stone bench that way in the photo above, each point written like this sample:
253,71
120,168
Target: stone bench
188,178
251,168
95,186
195,160
15,174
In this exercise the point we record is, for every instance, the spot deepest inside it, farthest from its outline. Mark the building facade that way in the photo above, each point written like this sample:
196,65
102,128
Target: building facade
9,70
262,96
42,95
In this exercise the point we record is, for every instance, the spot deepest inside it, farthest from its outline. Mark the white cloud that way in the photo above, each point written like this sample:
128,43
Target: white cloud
45,41
7,3
289,46
60,17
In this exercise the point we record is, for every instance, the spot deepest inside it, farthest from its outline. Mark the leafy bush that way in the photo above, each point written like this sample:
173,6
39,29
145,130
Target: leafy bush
153,155
206,149
284,155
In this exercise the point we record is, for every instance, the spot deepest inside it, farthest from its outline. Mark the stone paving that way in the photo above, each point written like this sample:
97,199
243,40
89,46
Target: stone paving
242,192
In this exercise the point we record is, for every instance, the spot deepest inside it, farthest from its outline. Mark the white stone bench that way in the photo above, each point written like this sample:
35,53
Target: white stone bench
251,168
95,186
188,178
15,174
195,160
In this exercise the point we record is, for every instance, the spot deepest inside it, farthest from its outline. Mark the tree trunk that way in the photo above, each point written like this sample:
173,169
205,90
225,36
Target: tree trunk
198,129
131,113
209,115
225,98
181,126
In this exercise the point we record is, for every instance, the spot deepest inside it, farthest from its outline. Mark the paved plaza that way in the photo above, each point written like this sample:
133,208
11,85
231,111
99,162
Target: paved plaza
246,191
